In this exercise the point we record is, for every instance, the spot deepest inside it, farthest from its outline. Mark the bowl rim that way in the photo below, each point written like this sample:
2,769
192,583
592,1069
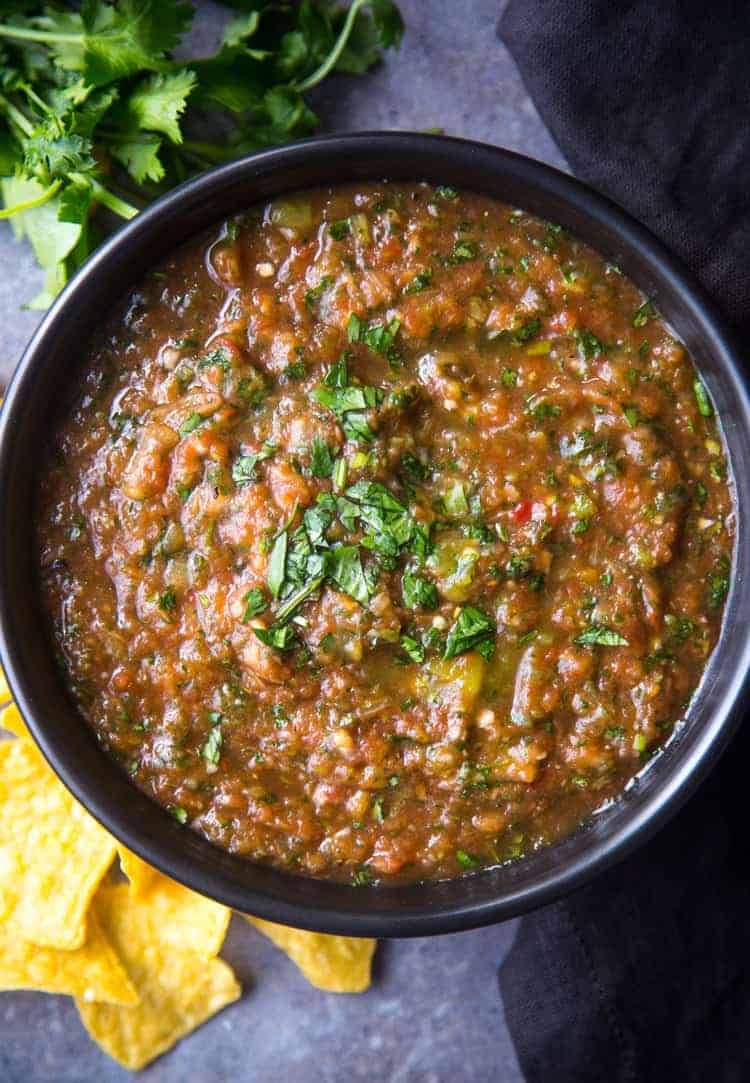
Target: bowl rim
288,898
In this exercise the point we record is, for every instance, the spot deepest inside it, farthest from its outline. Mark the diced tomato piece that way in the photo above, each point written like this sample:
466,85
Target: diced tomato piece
522,512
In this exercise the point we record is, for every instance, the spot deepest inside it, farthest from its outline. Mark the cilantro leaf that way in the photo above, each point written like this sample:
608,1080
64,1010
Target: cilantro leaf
277,564
421,280
157,103
472,630
598,635
413,648
414,468
321,462
211,748
94,85
348,401
466,861
243,468
418,591
295,600
705,409
255,603
280,637
346,571
380,337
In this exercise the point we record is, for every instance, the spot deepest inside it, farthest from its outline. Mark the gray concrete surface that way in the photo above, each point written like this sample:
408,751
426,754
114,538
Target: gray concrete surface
434,1013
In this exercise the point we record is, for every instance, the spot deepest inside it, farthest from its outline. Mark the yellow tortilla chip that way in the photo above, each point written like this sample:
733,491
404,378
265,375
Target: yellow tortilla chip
92,972
179,988
140,875
338,964
11,720
190,921
53,855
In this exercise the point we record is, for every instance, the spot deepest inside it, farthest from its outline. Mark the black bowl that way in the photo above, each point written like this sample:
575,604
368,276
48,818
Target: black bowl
27,655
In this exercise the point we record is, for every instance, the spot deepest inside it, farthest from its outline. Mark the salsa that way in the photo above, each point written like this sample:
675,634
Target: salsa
387,533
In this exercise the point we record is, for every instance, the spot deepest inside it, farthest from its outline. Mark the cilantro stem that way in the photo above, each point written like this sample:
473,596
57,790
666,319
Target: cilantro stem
296,599
333,57
46,195
19,119
113,202
25,34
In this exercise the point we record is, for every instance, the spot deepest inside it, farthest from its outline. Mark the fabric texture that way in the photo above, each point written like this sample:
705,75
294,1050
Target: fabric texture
644,975
649,101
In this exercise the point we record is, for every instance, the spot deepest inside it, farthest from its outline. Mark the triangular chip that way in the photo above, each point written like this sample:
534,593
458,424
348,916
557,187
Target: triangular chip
11,720
338,964
140,875
53,855
92,972
190,921
179,989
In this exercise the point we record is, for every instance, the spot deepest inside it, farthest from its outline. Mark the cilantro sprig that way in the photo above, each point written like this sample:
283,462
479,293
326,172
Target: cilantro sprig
96,111
349,402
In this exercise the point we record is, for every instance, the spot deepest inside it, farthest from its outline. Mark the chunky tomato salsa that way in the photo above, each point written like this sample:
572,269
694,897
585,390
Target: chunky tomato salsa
387,534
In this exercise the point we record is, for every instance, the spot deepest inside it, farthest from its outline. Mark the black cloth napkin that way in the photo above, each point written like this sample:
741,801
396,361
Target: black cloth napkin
644,975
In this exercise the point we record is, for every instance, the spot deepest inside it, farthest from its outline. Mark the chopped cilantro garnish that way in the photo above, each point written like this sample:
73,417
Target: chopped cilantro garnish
255,603
614,732
345,569
705,409
313,295
277,564
456,504
463,251
413,648
211,749
280,637
473,630
526,330
339,229
718,588
381,336
321,462
363,876
348,401
632,415
418,591
340,470
598,635
354,328
643,314
297,370
243,468
421,280
414,467
168,601
220,358
466,861
589,345
190,424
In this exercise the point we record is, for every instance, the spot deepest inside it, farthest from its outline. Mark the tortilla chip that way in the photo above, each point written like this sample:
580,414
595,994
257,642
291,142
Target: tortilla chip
53,855
92,972
179,988
12,721
140,875
190,921
337,964
4,690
